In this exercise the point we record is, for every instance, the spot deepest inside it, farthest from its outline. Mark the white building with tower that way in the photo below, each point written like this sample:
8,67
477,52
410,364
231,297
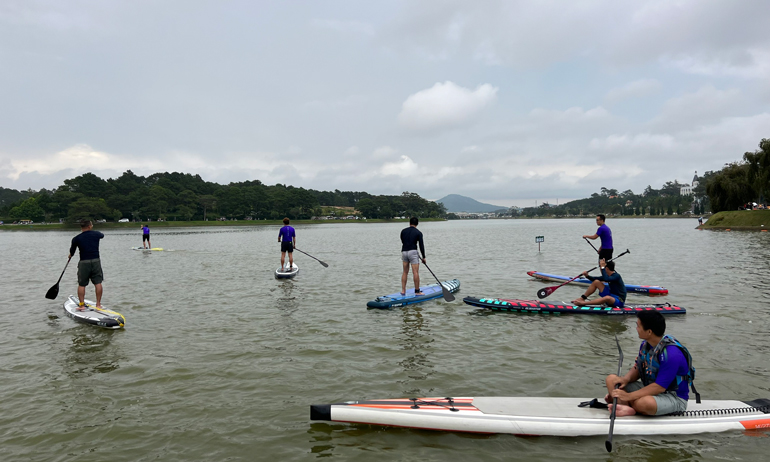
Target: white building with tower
686,189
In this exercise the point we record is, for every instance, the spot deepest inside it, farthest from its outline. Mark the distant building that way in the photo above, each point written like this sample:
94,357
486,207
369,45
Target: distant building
686,189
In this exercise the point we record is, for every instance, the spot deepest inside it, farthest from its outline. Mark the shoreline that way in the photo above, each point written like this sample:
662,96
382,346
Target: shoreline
738,220
192,224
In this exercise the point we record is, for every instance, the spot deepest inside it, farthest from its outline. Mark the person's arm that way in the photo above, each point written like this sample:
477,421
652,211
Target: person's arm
279,235
293,238
650,390
592,237
73,246
422,248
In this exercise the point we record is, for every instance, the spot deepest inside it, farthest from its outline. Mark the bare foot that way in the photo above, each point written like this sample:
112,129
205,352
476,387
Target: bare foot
623,410
99,306
419,293
403,293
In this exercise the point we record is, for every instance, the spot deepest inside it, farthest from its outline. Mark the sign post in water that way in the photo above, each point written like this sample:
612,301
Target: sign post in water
539,239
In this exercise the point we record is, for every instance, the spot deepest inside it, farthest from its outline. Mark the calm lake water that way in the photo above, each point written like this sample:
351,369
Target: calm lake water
220,361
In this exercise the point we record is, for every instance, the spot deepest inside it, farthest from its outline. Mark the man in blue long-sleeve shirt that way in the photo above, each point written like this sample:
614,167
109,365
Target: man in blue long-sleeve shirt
89,267
611,294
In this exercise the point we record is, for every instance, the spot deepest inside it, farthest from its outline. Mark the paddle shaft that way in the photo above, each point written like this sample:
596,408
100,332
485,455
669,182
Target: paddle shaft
608,443
447,294
565,283
326,265
54,291
591,244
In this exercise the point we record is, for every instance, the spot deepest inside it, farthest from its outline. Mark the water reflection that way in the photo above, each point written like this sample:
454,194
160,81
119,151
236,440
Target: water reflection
416,339
91,353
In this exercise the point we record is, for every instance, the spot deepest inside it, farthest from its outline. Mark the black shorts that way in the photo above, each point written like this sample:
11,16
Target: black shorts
606,254
145,237
286,246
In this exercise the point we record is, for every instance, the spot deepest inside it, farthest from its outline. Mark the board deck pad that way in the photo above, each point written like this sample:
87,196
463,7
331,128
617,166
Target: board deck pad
429,293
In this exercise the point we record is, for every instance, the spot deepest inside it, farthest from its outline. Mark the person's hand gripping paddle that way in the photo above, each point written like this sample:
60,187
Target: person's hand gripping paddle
546,291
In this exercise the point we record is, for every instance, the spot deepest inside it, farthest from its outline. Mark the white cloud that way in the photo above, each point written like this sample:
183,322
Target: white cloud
405,167
445,105
635,89
705,106
384,152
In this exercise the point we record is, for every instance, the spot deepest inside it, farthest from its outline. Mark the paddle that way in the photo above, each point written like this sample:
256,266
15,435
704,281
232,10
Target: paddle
591,244
54,291
314,258
542,293
447,294
608,443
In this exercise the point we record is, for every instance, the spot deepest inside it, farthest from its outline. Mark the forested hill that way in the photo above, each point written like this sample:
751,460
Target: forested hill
181,196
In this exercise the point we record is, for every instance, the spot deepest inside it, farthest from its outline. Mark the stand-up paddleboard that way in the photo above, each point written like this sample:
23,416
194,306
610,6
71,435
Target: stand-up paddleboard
543,416
535,306
630,288
429,293
101,317
281,273
154,249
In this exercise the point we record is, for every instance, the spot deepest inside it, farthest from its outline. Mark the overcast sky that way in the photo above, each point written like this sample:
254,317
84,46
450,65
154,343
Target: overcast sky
507,102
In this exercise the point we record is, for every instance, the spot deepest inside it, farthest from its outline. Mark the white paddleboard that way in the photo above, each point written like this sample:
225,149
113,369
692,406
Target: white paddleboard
101,317
282,273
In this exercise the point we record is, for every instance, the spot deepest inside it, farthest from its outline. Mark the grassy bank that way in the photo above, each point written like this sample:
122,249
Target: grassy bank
188,224
739,220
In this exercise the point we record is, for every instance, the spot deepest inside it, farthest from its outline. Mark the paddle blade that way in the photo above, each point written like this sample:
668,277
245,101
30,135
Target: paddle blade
52,292
544,292
608,445
325,265
447,294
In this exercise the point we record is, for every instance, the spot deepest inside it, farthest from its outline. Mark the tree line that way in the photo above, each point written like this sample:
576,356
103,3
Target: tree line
741,182
180,196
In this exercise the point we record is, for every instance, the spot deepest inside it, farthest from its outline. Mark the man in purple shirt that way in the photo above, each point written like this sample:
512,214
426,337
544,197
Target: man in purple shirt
605,235
658,383
288,239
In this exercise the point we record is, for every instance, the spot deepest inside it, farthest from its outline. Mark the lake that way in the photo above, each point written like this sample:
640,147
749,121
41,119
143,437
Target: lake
220,361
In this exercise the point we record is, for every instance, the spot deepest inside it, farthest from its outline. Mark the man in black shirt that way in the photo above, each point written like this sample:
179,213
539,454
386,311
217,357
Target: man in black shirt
89,267
409,238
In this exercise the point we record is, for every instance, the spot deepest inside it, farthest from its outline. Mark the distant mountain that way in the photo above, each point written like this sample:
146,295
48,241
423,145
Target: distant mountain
457,203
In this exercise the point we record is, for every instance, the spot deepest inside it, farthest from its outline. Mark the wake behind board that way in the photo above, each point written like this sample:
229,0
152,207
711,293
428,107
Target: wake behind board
535,306
91,315
281,273
429,293
630,288
543,416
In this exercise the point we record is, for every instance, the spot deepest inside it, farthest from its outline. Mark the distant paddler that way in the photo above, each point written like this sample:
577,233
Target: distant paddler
89,266
659,381
146,237
288,239
605,236
611,294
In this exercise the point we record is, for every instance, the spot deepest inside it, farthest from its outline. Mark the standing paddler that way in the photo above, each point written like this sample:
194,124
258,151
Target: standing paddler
288,239
146,237
409,257
605,235
89,266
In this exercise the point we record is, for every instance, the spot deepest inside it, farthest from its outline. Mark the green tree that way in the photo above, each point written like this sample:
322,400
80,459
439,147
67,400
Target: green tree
28,210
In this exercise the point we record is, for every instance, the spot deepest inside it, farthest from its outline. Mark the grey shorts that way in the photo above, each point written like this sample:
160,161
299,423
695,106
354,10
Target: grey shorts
90,269
667,401
411,256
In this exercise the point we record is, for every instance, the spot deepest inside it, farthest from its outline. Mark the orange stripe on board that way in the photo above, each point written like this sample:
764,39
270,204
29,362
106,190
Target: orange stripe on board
755,424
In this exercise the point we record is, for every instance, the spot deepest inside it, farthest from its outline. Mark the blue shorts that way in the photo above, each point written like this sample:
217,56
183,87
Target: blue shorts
606,291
